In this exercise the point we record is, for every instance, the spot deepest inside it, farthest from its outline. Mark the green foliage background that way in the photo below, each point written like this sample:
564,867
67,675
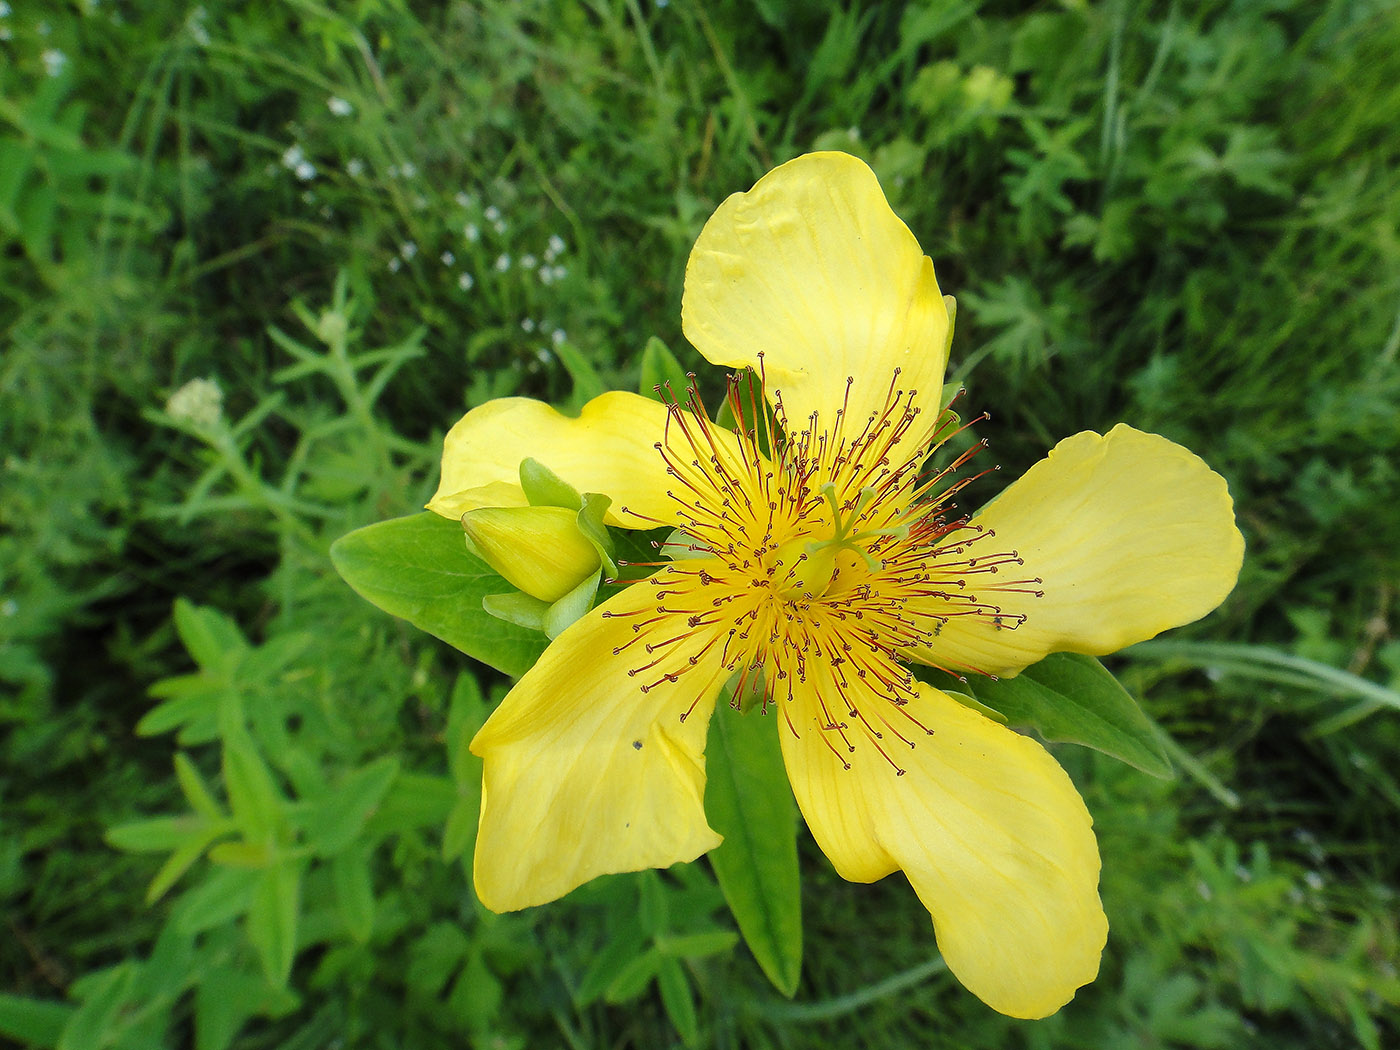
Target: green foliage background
1179,215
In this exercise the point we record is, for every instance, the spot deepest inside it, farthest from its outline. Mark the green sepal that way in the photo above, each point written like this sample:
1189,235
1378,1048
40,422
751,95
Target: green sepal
572,606
590,523
748,800
517,607
659,368
544,488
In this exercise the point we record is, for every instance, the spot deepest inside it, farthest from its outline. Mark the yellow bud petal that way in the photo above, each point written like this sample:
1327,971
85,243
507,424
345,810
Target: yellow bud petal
538,549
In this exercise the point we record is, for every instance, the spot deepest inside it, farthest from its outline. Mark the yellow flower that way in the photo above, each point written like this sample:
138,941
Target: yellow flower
816,571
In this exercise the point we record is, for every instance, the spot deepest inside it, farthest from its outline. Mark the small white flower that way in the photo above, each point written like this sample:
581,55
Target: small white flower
463,199
466,282
471,233
545,274
408,250
306,171
559,273
339,107
5,33
200,402
1314,880
43,29
529,262
499,226
420,202
395,264
502,263
408,170
542,355
392,171
557,337
9,607
4,9
555,248
292,156
527,326
354,167
492,213
447,258
54,61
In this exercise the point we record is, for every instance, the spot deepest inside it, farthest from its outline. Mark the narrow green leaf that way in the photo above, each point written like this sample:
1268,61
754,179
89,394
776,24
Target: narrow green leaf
587,383
272,920
181,860
92,1023
33,1022
749,802
196,792
678,1001
418,568
623,945
212,638
157,834
466,713
334,822
696,945
660,367
354,893
223,895
633,978
253,797
1073,698
459,831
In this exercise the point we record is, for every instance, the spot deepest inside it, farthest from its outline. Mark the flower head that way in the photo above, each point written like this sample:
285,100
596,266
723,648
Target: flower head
814,557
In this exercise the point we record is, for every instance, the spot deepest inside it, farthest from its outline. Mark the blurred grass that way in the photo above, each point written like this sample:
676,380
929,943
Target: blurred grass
1178,215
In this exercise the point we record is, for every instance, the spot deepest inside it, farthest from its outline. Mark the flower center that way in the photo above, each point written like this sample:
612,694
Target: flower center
809,569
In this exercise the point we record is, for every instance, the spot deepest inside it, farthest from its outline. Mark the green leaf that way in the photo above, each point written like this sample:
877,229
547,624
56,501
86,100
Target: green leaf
212,639
252,795
354,893
749,802
633,978
197,793
660,367
223,895
33,1022
696,945
103,998
466,713
1073,698
418,568
676,997
272,919
335,821
587,383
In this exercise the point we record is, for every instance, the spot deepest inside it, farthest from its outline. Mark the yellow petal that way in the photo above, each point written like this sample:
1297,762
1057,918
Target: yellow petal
539,550
608,448
990,832
493,494
585,773
812,269
1130,535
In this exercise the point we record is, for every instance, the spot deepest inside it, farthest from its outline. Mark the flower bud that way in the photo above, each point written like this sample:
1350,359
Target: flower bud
537,549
